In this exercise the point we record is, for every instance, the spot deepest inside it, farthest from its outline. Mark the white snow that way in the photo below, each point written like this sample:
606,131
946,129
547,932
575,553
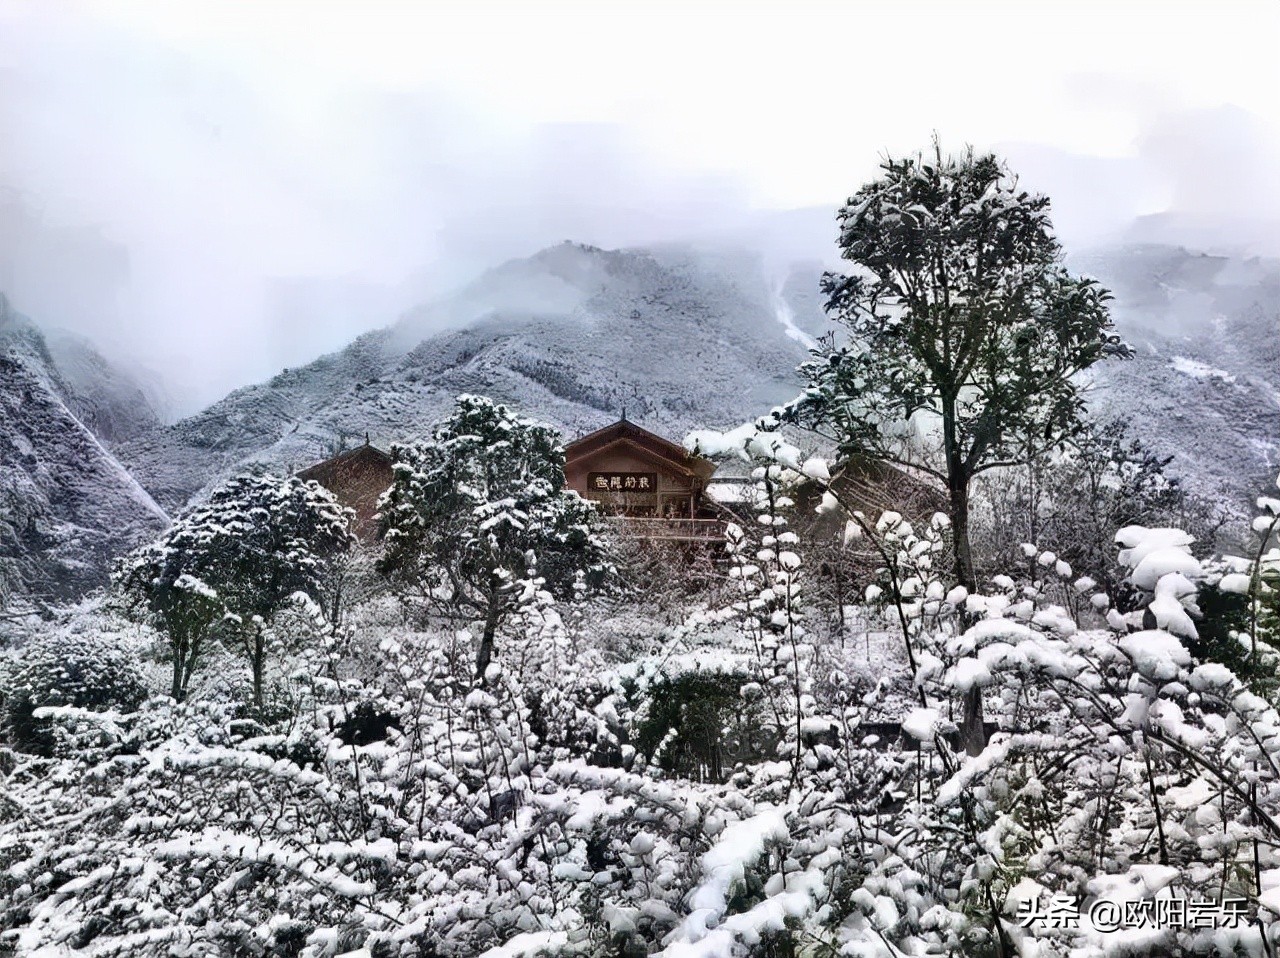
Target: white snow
1156,655
737,848
1138,541
787,317
1238,583
1198,370
1157,564
748,441
922,724
970,673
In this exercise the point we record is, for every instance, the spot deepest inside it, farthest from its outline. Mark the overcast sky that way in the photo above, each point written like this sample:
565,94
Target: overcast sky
220,190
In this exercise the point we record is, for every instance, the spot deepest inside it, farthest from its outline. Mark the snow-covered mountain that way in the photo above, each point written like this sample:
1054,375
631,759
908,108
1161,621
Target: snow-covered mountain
689,338
67,506
1204,384
682,337
571,335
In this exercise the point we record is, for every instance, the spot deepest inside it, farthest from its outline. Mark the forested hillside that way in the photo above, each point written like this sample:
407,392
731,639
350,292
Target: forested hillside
1204,382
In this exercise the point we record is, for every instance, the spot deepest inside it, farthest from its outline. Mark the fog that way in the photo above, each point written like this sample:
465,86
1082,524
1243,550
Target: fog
217,191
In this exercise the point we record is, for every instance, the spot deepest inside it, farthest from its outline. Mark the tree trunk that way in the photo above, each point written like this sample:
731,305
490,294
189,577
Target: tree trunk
835,565
179,658
959,502
258,661
973,735
485,654
184,665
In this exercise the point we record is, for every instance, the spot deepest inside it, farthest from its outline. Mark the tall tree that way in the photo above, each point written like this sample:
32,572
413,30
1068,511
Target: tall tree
962,322
227,566
472,510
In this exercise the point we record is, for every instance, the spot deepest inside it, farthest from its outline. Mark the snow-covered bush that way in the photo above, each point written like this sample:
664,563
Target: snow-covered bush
456,829
1241,599
687,715
99,672
1118,768
1071,501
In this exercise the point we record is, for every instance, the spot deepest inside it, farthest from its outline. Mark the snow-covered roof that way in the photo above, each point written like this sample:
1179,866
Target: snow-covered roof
624,430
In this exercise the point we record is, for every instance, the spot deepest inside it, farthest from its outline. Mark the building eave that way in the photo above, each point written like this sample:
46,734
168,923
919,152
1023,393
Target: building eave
664,451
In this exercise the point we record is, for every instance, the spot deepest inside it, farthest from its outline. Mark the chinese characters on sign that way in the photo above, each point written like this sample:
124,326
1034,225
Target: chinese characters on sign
643,483
1063,911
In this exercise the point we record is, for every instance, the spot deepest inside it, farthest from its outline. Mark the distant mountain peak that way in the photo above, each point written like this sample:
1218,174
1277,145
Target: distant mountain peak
686,337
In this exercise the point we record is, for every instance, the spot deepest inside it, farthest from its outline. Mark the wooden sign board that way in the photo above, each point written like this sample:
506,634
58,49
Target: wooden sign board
635,483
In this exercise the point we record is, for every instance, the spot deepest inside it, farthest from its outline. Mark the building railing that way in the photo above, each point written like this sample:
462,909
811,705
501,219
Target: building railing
684,530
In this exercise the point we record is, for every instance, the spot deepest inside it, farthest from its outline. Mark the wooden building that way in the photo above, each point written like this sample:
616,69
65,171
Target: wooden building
653,486
357,478
653,483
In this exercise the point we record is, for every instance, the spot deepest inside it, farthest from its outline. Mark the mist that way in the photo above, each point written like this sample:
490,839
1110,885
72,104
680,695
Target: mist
216,192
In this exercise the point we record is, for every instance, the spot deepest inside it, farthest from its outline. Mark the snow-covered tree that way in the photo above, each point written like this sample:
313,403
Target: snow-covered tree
228,565
959,309
961,319
469,511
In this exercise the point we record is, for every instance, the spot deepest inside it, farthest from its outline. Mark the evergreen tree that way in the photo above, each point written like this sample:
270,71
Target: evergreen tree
227,566
962,319
471,510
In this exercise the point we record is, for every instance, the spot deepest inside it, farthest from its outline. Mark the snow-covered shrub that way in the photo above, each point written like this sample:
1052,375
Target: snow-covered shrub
1116,768
1165,576
455,830
691,720
98,672
560,678
1241,601
1071,501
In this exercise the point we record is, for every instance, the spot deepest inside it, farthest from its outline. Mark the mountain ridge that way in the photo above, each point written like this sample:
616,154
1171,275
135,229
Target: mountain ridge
67,505
682,337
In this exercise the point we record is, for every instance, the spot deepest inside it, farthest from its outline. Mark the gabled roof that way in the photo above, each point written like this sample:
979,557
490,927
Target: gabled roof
360,455
624,431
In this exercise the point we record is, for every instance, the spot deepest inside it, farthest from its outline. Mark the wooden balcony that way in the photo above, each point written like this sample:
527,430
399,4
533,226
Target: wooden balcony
669,530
